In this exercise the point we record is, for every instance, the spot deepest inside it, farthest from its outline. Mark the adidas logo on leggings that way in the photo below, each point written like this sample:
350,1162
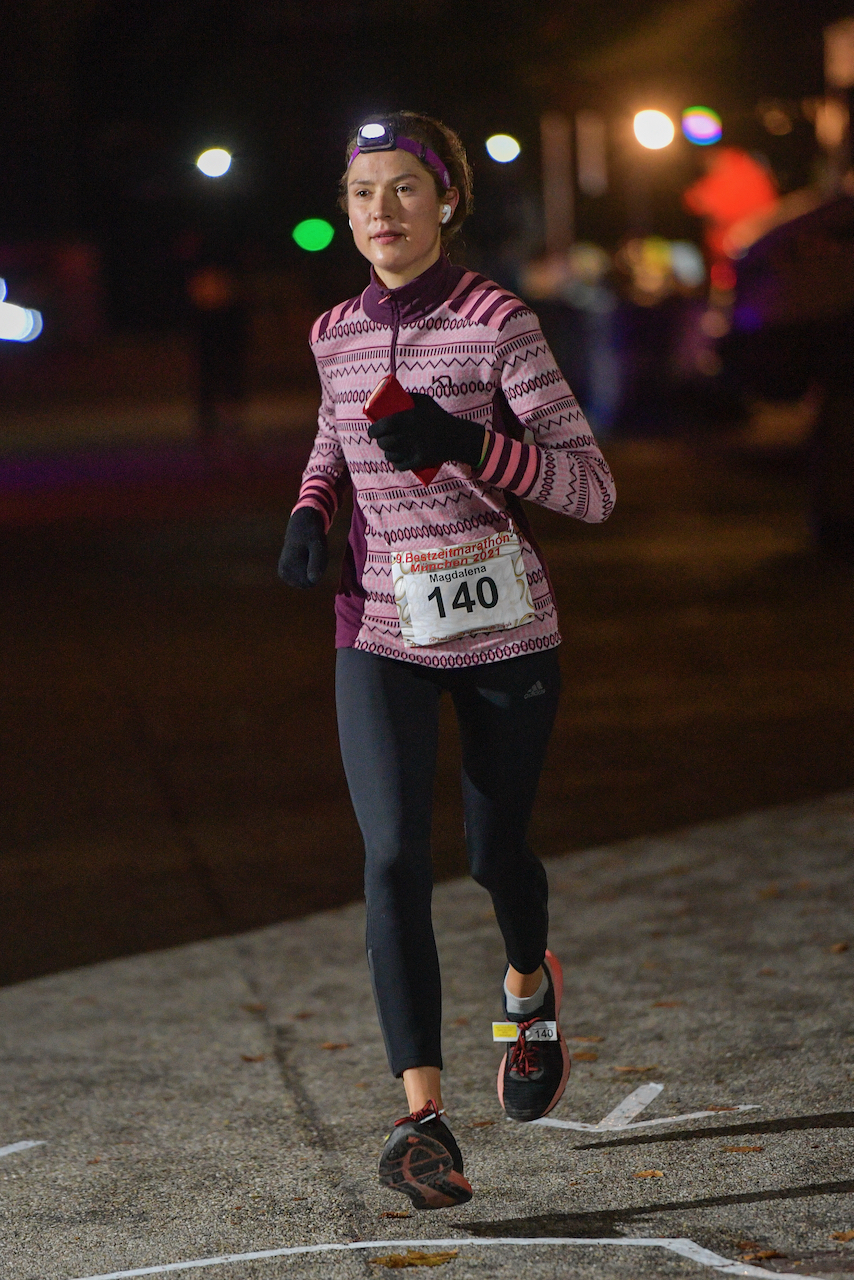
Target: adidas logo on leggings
536,690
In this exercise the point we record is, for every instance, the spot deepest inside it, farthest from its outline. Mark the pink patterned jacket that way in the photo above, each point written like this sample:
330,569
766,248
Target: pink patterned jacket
480,353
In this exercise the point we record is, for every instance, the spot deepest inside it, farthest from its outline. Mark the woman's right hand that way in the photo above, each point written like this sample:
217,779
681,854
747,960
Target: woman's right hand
304,556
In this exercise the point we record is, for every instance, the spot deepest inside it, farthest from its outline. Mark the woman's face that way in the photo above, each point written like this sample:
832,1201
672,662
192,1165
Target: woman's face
396,214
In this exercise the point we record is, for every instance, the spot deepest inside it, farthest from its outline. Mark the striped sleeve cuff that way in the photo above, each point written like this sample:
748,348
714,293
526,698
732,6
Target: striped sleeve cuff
509,464
318,493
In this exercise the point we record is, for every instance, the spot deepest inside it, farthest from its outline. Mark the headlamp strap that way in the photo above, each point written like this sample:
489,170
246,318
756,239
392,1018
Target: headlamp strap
418,149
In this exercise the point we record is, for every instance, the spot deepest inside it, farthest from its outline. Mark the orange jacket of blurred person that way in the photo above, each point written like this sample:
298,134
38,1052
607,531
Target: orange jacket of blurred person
734,187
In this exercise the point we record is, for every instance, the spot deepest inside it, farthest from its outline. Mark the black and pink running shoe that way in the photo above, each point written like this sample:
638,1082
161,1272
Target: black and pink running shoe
534,1070
422,1160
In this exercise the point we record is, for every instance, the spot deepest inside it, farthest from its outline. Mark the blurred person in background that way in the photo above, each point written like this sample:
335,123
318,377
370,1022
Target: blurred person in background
220,341
576,305
439,484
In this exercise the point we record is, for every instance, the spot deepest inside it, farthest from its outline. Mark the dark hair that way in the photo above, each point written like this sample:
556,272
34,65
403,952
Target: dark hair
448,147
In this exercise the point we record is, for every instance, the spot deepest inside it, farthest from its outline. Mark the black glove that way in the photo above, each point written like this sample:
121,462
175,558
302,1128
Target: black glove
304,556
426,436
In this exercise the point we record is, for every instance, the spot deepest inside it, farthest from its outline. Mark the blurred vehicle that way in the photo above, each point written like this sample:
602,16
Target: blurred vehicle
793,333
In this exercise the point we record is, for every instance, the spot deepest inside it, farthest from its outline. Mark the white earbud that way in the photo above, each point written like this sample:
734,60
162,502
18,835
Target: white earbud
446,213
350,223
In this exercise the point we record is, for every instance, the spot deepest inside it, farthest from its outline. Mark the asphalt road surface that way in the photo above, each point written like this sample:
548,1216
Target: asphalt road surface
217,1110
171,768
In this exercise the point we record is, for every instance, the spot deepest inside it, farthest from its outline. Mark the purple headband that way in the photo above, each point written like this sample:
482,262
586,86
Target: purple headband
419,149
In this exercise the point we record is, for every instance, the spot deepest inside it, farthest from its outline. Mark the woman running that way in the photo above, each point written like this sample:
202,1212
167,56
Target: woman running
443,588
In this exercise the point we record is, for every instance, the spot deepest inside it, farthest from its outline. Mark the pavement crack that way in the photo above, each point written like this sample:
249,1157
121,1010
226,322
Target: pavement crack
286,1050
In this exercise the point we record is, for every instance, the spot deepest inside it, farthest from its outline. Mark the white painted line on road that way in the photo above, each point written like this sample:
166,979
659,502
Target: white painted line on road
19,1146
622,1117
685,1248
631,1106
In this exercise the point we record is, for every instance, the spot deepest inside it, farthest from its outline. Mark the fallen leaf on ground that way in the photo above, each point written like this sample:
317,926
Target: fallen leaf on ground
97,1160
741,1150
587,1039
747,1244
336,1044
248,1057
460,1022
648,1173
768,973
585,1057
254,1006
300,1197
721,1108
844,1236
637,1071
667,1004
839,947
414,1258
304,1013
481,1124
362,1084
395,1213
760,1254
771,890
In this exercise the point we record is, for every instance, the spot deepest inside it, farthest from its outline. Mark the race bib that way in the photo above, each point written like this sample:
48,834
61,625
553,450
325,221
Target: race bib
442,593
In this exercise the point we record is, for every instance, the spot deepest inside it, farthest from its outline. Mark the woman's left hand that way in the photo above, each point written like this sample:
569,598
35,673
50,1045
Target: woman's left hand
426,436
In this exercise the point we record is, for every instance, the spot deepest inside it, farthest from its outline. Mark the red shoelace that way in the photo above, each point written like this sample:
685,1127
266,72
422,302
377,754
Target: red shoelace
429,1111
524,1056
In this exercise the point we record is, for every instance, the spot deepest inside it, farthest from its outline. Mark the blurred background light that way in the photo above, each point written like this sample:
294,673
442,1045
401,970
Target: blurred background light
313,233
19,324
214,162
687,263
654,130
2,290
776,117
502,147
723,277
702,126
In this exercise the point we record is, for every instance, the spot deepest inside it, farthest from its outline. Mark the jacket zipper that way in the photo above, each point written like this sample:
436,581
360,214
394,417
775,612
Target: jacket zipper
395,326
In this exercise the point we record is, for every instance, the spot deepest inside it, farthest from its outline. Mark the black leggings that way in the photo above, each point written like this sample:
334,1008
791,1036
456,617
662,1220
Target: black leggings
388,716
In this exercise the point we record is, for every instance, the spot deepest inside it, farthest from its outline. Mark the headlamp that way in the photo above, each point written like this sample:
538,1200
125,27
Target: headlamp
379,135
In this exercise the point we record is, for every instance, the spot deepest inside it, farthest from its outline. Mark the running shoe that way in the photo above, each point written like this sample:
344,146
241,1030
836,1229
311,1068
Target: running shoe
534,1070
422,1160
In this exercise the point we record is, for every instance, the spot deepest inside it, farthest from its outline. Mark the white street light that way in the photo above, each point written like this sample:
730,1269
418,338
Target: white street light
19,324
654,130
214,162
502,147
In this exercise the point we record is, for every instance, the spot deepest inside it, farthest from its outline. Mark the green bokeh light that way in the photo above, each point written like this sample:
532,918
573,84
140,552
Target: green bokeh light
313,234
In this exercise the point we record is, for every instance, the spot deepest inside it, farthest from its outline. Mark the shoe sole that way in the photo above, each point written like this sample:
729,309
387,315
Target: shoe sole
557,981
421,1168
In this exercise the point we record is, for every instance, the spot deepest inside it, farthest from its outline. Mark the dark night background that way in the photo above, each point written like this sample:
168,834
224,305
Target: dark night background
166,715
106,105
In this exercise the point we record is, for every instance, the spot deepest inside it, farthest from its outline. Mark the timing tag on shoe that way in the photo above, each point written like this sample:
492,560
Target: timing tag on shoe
510,1031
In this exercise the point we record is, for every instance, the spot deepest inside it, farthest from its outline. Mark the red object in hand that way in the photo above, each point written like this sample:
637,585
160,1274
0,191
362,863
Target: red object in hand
389,397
